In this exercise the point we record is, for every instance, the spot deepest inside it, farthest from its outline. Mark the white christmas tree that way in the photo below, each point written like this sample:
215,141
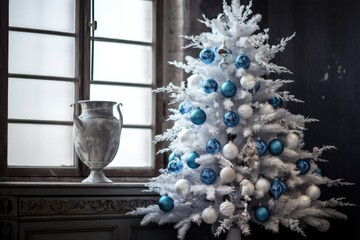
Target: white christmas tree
237,153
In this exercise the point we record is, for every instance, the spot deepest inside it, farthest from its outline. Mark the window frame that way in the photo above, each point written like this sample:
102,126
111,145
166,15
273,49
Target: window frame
82,92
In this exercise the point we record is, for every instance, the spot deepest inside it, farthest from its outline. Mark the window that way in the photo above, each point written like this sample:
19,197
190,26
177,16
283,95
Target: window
55,53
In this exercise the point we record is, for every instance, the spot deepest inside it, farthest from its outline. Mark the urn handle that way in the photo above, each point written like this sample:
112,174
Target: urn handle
120,115
77,120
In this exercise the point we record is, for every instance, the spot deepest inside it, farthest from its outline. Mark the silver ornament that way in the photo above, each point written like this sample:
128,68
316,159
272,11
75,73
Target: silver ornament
230,151
304,201
245,111
313,192
292,140
182,187
194,81
262,185
227,175
223,18
223,51
248,81
227,208
209,215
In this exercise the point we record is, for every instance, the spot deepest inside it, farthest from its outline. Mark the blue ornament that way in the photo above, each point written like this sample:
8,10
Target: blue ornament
242,61
190,160
255,89
262,214
197,116
284,185
213,146
207,55
261,147
231,119
319,171
210,86
303,165
276,147
166,203
275,102
175,166
208,176
185,107
277,188
228,89
175,155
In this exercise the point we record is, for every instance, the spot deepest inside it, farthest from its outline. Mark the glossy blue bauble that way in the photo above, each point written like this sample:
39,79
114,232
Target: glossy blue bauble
284,185
207,55
185,107
197,116
255,89
175,166
175,155
303,165
210,86
213,146
262,214
208,176
319,171
166,203
276,147
231,119
275,102
277,188
228,89
190,160
261,147
242,61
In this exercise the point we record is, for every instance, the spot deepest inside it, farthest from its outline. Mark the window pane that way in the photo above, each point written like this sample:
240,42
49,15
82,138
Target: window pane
135,149
137,102
43,14
124,19
41,54
122,62
36,99
40,145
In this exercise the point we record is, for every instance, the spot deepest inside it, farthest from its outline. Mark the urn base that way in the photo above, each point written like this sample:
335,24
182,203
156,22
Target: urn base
97,176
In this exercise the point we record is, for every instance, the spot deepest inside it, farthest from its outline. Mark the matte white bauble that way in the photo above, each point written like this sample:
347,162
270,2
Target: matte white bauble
245,111
227,208
227,175
304,201
248,81
209,215
292,140
313,192
230,151
194,81
186,136
266,109
182,187
262,185
247,188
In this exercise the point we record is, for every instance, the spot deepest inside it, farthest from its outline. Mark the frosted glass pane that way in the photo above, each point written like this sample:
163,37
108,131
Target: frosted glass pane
122,62
43,14
40,145
41,54
135,149
124,19
35,99
137,102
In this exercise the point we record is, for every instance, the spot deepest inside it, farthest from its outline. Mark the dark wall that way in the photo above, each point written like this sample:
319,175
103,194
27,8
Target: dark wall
325,59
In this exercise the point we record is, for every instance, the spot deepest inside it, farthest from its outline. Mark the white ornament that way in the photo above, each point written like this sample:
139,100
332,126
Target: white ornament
247,188
227,208
292,140
248,81
194,81
262,185
209,215
245,111
304,201
227,175
186,136
313,192
266,109
182,187
230,151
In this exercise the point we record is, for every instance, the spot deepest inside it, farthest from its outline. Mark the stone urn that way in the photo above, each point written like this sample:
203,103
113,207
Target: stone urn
96,136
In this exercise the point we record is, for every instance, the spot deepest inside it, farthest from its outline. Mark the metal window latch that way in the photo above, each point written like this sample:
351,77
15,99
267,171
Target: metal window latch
92,25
